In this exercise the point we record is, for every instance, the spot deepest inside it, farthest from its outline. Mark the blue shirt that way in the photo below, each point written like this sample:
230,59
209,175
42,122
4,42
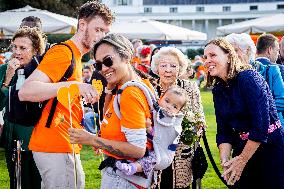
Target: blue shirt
245,104
273,77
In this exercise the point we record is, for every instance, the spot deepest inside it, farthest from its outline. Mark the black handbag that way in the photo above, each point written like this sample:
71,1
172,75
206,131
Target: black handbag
199,163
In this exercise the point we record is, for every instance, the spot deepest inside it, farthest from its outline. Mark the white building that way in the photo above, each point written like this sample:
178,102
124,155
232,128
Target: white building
200,15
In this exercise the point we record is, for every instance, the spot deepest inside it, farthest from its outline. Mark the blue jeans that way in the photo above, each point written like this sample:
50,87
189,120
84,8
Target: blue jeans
89,122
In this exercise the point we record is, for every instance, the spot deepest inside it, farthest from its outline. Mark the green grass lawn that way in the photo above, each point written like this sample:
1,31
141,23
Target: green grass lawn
91,162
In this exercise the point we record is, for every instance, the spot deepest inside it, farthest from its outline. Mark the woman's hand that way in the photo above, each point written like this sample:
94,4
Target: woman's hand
13,65
225,176
233,169
81,136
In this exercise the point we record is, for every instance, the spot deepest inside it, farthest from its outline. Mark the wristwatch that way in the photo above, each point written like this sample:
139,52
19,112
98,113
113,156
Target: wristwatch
110,91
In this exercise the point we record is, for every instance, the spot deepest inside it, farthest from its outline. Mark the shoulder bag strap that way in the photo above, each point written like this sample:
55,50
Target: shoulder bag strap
68,73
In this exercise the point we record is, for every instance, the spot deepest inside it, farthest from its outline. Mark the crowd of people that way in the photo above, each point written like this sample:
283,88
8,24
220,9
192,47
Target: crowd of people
140,106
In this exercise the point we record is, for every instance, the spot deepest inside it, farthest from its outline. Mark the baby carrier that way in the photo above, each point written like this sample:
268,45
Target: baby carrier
167,129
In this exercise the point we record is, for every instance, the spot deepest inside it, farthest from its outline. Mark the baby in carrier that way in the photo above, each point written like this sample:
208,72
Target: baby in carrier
169,116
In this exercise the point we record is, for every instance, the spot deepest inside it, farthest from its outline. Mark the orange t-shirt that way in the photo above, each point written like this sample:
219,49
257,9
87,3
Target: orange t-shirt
134,109
56,138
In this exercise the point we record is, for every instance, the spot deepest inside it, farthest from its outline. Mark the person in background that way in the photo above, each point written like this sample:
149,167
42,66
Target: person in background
152,47
280,59
99,106
199,69
2,59
144,53
87,74
249,133
32,21
189,73
95,114
26,43
52,150
136,58
154,51
89,115
267,49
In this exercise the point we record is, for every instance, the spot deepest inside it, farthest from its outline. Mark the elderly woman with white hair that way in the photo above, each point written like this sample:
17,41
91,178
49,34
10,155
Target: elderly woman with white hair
245,49
170,63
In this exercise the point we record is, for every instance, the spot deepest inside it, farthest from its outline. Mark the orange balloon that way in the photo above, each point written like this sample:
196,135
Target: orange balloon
63,92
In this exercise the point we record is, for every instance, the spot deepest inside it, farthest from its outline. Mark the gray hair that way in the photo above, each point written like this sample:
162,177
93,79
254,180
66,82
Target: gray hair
119,43
244,42
169,51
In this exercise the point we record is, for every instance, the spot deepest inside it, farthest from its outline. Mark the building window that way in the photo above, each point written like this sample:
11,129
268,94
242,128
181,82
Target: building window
226,8
253,7
147,9
173,9
199,9
280,6
122,2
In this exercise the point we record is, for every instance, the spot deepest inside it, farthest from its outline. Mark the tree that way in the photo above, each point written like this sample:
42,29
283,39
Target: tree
65,7
191,53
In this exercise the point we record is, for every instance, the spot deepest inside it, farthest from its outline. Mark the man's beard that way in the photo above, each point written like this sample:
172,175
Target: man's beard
86,41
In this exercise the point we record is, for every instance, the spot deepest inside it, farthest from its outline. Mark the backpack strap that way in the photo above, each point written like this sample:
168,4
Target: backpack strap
68,73
267,74
268,81
151,99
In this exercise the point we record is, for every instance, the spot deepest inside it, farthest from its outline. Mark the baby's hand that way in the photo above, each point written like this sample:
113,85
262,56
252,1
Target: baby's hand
148,122
149,130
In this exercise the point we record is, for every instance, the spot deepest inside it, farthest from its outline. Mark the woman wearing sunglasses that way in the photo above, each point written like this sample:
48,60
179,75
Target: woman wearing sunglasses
123,138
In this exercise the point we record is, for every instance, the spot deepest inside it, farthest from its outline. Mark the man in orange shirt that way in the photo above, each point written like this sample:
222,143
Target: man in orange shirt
51,146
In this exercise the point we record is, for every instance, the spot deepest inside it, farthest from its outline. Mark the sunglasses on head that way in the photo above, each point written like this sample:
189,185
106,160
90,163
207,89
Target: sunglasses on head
107,61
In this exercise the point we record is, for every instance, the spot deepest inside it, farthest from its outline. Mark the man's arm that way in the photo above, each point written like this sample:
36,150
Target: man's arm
39,87
119,148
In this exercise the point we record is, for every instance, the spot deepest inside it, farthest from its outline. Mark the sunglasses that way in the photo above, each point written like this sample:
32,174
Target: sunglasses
107,61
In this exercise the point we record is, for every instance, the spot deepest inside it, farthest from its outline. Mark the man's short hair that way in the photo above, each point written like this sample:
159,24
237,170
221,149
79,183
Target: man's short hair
31,21
92,9
265,41
88,67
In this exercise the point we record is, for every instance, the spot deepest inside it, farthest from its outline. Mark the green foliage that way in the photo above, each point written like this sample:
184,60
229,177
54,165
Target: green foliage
200,51
189,128
191,53
56,38
65,7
